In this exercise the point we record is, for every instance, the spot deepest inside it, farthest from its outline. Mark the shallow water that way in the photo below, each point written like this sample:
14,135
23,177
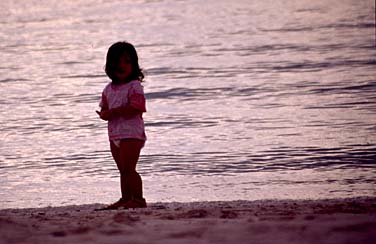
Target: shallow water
246,99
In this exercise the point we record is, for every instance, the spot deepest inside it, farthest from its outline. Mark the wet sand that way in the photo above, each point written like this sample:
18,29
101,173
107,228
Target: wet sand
265,221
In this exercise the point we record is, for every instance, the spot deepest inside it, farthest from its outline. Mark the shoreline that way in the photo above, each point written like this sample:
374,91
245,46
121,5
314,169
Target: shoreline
347,220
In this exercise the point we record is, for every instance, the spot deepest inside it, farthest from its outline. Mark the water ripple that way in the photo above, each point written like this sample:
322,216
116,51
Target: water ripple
282,159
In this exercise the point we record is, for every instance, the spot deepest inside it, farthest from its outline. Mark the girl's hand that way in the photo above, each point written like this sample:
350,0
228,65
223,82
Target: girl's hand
105,114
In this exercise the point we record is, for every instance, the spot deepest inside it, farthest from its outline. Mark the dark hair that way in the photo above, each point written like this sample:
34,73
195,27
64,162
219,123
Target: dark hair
115,52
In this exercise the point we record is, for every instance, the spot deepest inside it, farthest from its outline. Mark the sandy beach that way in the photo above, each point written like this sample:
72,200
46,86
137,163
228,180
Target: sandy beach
264,221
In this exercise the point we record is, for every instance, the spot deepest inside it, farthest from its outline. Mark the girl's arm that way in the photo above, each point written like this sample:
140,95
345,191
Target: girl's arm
105,112
135,106
126,111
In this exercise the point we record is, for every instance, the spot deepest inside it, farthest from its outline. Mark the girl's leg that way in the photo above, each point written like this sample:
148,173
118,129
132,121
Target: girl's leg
115,151
131,181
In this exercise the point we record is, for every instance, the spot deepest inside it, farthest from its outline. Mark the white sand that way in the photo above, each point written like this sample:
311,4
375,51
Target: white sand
269,221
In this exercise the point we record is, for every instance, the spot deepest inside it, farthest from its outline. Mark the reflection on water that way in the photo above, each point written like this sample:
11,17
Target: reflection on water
246,99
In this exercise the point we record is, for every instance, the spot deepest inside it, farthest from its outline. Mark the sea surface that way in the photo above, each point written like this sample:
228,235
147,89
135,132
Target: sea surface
246,99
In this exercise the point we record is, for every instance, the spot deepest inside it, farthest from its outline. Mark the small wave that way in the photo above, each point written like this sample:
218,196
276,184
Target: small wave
188,93
83,76
278,159
13,80
309,66
182,124
317,28
369,86
350,25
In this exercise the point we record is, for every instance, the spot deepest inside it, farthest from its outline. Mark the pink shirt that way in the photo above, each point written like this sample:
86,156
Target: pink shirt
115,96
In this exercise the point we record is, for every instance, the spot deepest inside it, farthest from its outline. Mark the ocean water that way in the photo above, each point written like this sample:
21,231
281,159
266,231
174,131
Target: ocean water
246,99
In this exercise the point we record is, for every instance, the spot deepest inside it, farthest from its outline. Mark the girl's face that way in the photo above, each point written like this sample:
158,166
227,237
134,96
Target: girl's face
124,68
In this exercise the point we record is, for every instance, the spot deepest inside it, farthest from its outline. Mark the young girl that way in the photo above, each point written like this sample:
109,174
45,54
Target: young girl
122,105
